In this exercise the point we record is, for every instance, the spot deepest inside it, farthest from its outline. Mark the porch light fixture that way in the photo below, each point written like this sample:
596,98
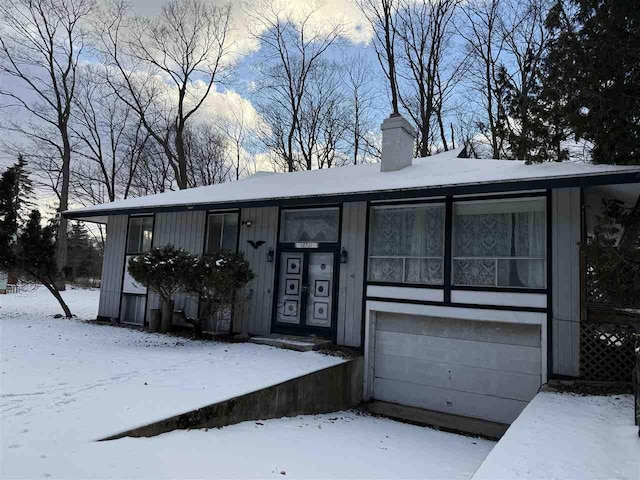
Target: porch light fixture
344,256
248,223
270,255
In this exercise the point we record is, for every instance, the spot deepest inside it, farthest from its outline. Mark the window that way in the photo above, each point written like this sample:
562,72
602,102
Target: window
133,308
222,232
406,244
319,225
139,240
140,235
500,243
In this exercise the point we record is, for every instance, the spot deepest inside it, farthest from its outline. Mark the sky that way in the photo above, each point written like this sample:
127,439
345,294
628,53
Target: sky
238,90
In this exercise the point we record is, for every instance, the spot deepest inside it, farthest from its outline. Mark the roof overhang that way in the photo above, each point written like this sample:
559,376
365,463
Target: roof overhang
566,181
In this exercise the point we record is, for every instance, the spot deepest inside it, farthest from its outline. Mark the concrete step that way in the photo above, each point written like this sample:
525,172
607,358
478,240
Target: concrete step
291,342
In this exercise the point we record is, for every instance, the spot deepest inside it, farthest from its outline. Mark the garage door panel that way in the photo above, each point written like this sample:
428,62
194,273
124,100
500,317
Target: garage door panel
517,386
495,356
487,407
494,332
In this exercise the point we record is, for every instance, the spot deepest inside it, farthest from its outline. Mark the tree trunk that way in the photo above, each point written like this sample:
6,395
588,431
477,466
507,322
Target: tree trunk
54,291
61,240
167,316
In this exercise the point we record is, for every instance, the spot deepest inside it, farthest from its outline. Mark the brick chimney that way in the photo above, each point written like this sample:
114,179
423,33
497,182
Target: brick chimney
397,143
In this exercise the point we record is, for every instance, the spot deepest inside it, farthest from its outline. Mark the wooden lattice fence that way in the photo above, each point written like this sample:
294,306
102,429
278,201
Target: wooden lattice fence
608,340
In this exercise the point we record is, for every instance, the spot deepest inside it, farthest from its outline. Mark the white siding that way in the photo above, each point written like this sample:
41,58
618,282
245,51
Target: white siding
566,233
253,314
350,294
112,266
182,230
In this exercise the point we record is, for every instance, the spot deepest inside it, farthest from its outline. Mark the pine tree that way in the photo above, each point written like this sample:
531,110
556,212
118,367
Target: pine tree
592,69
84,259
36,256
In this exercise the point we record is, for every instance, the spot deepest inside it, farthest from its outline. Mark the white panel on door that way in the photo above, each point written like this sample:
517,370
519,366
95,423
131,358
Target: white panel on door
319,289
290,288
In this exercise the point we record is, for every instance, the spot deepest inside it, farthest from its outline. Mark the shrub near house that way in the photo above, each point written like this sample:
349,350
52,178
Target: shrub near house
215,278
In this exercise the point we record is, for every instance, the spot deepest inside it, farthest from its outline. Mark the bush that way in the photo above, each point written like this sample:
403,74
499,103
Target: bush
217,278
164,271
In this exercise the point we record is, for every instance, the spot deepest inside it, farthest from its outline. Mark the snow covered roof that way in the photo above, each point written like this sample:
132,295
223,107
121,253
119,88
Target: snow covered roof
439,174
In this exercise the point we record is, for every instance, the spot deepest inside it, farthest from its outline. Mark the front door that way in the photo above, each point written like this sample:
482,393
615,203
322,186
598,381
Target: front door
305,292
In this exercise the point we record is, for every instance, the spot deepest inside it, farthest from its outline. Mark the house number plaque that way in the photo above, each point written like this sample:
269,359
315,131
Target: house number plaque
306,245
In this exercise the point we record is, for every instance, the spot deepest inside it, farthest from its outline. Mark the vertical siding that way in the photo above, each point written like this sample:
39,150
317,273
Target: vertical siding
183,230
349,321
253,314
566,228
112,265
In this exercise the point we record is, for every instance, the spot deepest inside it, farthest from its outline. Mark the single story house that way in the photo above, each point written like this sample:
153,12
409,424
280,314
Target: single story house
459,279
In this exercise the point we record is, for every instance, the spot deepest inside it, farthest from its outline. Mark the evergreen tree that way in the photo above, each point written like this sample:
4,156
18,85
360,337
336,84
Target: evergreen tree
35,256
592,70
83,258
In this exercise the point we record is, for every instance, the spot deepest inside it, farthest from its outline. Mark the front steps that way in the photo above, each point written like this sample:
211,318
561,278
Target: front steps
292,342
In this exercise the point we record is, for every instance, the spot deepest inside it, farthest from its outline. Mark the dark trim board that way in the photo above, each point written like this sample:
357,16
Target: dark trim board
464,189
477,306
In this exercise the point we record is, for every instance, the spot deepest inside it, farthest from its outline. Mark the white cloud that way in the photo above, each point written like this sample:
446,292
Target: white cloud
325,13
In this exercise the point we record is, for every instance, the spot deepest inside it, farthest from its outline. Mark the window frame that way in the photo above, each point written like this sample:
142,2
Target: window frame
127,252
437,202
495,286
449,200
210,213
281,223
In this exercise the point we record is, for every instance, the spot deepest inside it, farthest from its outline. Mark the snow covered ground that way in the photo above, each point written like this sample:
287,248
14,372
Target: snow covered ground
565,436
65,383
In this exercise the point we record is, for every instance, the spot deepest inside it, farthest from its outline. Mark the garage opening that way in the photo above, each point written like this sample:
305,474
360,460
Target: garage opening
478,369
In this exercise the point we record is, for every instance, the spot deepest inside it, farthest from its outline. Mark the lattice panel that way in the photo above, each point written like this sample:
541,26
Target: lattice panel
607,352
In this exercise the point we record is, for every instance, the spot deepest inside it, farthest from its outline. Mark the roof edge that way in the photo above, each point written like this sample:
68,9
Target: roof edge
566,181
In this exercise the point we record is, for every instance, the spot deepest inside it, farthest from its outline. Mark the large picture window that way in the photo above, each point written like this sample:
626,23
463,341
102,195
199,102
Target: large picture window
406,244
499,243
222,232
320,225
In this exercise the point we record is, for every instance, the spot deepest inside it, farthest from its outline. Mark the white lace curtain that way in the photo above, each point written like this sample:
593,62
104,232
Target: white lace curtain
500,243
407,244
313,225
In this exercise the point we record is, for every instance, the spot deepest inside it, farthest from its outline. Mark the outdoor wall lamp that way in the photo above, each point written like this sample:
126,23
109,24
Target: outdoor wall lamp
344,256
248,223
270,255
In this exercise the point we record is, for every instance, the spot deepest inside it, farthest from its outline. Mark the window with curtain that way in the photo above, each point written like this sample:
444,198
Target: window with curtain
222,232
406,244
500,243
319,225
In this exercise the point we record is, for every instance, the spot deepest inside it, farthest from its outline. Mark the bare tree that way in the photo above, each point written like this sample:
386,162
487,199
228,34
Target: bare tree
110,141
382,17
485,38
205,148
323,119
241,137
291,49
431,67
360,99
154,174
526,41
165,68
41,43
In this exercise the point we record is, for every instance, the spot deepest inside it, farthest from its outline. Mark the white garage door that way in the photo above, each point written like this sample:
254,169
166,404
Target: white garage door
486,370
